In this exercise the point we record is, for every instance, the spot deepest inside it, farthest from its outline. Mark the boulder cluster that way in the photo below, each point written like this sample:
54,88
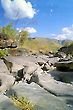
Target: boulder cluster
52,72
48,72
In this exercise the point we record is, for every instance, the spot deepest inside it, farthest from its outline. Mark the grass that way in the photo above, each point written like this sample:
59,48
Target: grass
22,103
40,44
3,53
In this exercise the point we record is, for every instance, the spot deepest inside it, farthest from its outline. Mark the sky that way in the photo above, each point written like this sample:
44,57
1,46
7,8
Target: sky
41,18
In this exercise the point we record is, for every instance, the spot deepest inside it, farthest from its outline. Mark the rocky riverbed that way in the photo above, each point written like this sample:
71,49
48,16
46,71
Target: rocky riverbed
40,78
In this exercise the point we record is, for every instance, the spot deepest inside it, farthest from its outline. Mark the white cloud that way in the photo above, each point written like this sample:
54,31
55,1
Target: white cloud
29,29
17,9
67,33
61,37
67,30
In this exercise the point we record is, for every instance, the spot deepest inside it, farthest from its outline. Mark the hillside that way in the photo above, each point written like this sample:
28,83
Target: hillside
43,45
65,42
68,49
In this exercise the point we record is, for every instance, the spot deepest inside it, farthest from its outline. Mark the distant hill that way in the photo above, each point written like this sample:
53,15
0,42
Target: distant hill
43,45
65,42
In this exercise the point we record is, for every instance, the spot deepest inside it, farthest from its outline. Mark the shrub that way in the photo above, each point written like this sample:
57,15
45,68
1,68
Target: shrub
3,53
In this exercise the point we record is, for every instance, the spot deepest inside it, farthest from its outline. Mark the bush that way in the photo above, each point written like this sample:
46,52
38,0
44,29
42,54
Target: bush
3,53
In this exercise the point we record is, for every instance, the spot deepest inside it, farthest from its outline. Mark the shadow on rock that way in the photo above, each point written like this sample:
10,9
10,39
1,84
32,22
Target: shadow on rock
10,92
69,102
66,77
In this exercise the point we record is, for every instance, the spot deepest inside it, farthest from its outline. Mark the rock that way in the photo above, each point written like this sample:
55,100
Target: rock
13,45
40,63
18,64
12,66
49,84
3,68
63,49
66,77
50,54
60,55
34,73
39,97
44,57
64,65
6,82
35,59
8,64
67,49
6,103
52,61
45,67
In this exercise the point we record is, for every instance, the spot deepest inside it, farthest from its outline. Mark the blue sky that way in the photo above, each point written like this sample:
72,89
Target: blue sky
52,18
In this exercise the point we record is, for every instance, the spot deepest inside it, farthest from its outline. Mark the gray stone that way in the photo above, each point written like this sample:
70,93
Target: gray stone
60,55
39,97
64,65
6,103
53,86
6,82
3,68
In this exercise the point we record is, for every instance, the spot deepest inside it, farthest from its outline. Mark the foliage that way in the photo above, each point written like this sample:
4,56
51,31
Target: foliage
40,44
9,31
3,53
22,103
68,43
23,36
31,45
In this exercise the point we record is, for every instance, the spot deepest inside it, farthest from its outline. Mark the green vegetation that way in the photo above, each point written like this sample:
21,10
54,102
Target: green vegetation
9,32
23,36
70,48
67,43
22,103
40,45
3,53
22,40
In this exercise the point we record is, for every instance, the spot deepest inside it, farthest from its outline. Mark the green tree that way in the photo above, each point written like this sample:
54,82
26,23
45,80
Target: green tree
23,36
9,32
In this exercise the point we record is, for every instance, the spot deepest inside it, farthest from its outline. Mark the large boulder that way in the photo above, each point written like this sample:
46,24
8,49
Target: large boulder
16,65
6,103
64,65
39,97
3,68
51,85
60,55
6,82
